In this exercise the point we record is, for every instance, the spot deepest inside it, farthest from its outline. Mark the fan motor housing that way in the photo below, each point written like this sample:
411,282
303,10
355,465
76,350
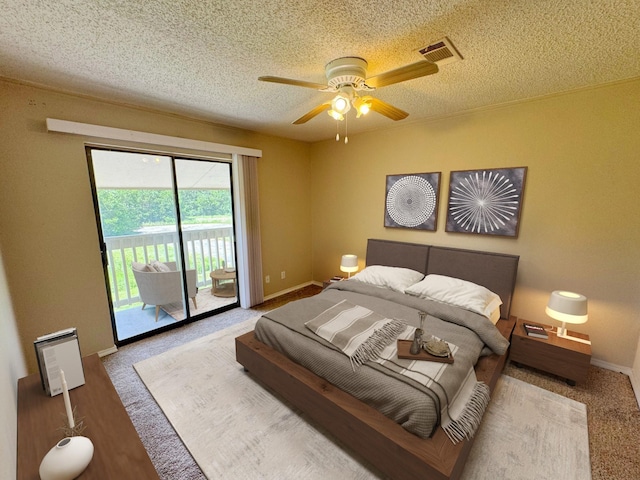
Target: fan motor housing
346,71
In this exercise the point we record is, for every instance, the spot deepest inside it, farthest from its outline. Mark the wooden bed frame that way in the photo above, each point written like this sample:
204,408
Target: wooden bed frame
383,443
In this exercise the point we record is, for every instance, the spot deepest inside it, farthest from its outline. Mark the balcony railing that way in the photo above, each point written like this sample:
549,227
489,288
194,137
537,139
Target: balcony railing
206,249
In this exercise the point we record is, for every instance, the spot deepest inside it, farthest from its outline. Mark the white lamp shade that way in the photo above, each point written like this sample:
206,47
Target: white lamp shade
349,263
341,104
567,307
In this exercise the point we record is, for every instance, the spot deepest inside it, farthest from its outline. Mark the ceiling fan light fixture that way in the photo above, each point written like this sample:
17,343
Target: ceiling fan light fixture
362,105
336,115
341,104
346,76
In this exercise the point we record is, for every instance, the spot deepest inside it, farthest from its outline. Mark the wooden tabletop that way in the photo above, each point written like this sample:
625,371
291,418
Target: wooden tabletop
553,339
223,274
118,450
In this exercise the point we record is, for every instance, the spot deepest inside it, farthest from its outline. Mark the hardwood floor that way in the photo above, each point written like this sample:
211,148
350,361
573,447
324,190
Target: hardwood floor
304,292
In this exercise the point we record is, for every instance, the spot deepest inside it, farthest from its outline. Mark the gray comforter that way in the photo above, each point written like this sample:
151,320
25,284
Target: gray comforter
407,402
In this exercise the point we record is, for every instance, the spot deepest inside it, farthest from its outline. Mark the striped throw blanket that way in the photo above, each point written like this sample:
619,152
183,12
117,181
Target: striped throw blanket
460,417
360,333
364,335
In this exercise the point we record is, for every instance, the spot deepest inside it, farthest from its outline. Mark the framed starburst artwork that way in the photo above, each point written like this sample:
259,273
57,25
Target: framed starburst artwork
486,202
412,201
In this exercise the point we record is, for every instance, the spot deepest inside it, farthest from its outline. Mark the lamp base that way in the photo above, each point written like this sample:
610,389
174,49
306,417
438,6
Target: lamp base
575,339
562,333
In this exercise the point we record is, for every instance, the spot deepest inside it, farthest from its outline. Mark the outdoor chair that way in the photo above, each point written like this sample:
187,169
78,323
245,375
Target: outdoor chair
160,284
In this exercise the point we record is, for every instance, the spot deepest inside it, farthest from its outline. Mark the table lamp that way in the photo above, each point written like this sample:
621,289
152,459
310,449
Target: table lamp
349,264
568,307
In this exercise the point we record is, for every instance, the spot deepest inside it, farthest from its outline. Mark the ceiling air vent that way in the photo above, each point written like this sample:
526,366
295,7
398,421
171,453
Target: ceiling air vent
441,52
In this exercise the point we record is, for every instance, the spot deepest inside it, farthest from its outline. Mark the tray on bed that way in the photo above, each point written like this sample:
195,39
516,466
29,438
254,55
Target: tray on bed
404,347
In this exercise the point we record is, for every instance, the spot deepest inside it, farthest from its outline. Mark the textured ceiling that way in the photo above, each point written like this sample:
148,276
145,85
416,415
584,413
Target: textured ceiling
202,58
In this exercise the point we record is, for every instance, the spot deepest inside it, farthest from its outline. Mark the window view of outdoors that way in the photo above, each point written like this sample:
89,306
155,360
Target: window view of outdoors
137,214
151,212
127,212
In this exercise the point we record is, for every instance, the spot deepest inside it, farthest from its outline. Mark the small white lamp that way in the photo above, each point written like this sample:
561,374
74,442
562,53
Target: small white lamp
568,307
349,264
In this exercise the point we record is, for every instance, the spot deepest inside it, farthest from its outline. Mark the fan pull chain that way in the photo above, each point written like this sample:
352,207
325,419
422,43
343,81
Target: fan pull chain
346,126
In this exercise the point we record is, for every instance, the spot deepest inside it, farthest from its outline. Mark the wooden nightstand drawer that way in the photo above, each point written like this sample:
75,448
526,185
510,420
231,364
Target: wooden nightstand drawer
559,356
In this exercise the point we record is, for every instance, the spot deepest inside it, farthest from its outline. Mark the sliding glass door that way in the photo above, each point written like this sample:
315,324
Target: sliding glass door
167,238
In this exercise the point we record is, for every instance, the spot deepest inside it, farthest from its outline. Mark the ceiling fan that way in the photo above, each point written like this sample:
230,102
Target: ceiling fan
347,77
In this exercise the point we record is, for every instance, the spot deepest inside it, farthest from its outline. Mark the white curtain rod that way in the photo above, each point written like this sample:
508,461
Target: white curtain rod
99,131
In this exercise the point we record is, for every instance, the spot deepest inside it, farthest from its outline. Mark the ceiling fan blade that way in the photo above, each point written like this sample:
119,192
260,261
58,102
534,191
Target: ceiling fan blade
309,115
402,74
383,108
296,83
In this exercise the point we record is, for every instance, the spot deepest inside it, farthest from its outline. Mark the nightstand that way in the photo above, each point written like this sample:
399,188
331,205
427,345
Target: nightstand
566,358
326,283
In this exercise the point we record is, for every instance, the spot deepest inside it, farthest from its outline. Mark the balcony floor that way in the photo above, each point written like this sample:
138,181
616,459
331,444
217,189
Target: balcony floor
135,321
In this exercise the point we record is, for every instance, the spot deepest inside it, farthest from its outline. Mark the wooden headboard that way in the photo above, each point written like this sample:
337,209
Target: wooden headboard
495,271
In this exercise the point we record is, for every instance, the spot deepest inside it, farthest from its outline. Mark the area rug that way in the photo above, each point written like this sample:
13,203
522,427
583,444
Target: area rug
236,429
206,303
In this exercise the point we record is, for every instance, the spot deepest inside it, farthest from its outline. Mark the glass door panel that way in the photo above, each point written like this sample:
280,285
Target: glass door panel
137,217
206,213
167,238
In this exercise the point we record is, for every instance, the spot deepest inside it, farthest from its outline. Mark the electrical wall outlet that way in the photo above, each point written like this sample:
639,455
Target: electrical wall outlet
267,279
283,275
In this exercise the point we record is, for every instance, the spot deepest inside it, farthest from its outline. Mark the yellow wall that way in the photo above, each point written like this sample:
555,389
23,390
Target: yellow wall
48,234
580,227
578,231
285,216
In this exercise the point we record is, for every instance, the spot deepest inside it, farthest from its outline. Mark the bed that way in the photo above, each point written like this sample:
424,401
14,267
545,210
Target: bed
391,445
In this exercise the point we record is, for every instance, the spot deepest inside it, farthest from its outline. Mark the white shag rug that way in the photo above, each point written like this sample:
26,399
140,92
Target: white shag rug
236,429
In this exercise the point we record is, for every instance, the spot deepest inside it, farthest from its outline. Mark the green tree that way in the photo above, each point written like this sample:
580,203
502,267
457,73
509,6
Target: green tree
124,211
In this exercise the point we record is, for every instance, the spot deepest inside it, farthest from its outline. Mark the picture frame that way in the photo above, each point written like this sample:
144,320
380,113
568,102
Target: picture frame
411,201
486,202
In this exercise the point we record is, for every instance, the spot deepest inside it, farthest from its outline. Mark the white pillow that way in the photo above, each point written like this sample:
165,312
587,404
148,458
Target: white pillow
455,291
159,267
141,267
395,278
495,315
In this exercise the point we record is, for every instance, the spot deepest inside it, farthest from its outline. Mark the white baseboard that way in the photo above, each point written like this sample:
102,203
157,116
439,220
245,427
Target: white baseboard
289,290
108,351
610,366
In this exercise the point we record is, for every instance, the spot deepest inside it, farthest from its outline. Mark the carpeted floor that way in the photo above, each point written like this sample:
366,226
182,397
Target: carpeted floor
613,414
